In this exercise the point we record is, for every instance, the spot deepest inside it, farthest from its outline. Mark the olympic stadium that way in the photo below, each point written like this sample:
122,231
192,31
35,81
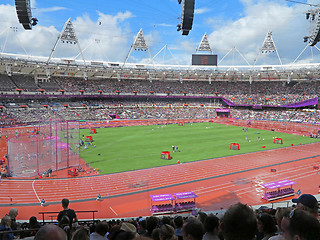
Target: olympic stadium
49,105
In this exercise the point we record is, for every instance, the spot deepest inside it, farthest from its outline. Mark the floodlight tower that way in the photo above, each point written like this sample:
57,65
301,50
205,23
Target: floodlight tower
67,35
139,44
204,45
268,46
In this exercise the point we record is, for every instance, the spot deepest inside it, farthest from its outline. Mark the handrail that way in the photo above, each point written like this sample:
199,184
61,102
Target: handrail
19,231
92,211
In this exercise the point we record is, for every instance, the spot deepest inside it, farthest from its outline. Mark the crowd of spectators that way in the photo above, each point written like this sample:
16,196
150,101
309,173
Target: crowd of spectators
239,222
159,110
262,93
68,111
288,116
272,93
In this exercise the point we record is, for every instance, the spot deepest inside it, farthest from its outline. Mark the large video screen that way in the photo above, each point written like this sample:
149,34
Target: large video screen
204,59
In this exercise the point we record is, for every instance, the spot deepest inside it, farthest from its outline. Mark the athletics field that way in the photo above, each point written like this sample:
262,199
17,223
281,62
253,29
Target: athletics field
137,147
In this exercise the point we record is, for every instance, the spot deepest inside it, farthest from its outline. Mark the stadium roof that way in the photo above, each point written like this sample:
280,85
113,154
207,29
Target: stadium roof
25,52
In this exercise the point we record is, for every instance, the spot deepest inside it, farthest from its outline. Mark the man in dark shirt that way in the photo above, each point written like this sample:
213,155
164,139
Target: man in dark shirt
67,216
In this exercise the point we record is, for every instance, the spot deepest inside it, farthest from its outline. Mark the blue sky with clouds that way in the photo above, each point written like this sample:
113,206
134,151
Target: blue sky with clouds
107,28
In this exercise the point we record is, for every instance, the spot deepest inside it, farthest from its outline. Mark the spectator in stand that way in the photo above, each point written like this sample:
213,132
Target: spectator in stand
127,231
6,226
81,234
202,217
178,223
280,214
167,233
192,230
33,224
50,231
115,228
151,223
155,234
67,212
239,223
141,226
66,217
166,220
100,232
13,213
211,227
266,225
300,225
308,203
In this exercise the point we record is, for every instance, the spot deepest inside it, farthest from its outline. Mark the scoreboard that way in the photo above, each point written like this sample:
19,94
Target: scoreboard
205,59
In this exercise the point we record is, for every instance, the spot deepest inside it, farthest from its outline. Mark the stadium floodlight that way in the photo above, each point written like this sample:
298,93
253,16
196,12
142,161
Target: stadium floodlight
314,29
139,44
67,35
268,46
204,44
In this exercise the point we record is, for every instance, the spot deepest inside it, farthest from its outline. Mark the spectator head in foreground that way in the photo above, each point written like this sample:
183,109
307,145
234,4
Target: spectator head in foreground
6,222
65,203
307,202
167,233
101,229
192,230
130,228
266,225
211,225
300,225
50,231
81,234
239,223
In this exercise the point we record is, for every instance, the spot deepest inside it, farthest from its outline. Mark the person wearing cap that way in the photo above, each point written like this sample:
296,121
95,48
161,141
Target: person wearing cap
129,227
308,203
127,231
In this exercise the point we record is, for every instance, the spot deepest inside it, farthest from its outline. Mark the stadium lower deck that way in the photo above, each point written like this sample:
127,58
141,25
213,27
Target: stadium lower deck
218,183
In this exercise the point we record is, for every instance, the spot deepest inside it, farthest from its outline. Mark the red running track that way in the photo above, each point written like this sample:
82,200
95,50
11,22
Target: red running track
218,183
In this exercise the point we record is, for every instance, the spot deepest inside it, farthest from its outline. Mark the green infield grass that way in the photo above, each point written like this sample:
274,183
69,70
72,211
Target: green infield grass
129,148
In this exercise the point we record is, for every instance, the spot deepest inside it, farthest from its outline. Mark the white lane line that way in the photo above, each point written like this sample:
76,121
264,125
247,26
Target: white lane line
35,191
113,211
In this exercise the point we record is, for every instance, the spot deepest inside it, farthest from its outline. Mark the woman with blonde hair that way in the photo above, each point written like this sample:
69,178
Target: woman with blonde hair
167,233
6,226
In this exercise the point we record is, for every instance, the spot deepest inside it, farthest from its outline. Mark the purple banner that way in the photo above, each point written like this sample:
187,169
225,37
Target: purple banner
222,110
161,197
183,195
278,184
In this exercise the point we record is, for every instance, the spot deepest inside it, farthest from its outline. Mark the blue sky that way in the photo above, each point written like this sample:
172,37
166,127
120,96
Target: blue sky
107,28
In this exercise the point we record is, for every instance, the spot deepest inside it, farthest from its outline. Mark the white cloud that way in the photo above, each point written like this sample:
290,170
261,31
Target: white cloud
201,10
113,32
52,9
115,35
247,33
166,25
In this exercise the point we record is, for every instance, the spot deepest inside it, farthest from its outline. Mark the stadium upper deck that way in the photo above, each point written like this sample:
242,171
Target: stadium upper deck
37,66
